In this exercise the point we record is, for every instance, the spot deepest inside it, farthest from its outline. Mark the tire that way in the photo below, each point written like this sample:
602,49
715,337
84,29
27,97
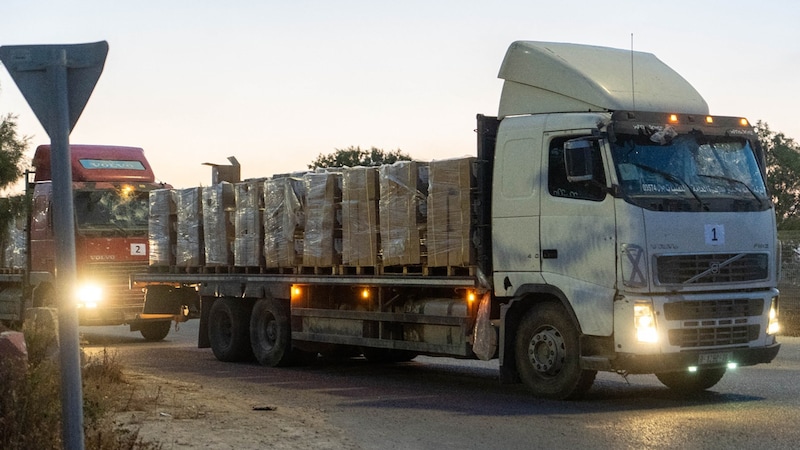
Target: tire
229,330
155,331
691,382
547,354
270,333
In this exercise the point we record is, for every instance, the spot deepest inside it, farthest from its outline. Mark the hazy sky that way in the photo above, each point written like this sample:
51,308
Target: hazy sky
277,83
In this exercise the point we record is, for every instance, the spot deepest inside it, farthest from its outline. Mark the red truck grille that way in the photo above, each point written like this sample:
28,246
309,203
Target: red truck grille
115,277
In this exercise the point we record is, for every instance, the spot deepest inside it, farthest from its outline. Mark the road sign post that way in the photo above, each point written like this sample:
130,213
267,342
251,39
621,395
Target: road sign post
57,81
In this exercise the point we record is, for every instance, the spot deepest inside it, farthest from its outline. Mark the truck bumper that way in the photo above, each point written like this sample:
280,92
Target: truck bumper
634,364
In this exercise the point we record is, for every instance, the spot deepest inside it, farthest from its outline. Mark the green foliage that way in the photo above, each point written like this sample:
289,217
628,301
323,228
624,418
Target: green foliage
783,175
355,156
12,149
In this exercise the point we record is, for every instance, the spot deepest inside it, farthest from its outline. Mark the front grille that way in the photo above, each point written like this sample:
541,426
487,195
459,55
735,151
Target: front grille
115,276
713,336
714,309
712,268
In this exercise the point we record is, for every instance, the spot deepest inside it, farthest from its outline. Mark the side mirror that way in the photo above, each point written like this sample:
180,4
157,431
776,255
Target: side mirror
578,159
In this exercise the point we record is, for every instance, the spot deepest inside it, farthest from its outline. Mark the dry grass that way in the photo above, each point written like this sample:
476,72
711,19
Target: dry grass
30,402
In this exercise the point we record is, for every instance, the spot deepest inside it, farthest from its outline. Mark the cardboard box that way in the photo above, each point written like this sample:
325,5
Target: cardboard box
189,248
218,227
402,211
162,228
451,182
323,199
360,233
283,221
248,246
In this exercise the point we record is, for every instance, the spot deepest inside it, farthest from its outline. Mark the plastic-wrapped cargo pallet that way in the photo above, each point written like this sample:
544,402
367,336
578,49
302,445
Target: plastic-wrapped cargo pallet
360,234
248,246
449,212
189,249
14,247
161,228
218,232
283,221
323,196
402,211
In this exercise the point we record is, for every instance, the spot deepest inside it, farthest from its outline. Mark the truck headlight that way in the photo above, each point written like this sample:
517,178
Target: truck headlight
89,295
773,326
644,320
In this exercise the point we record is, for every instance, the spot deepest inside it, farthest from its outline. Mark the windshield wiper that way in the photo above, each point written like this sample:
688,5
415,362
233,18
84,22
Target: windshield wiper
735,181
674,178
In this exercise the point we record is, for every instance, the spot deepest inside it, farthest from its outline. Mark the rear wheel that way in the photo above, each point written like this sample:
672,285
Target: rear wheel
155,331
691,382
270,333
548,354
229,330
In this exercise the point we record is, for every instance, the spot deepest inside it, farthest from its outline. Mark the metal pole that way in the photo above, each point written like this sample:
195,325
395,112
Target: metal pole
66,272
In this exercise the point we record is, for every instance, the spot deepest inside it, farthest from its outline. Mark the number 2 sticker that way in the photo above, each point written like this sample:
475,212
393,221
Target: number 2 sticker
715,234
138,250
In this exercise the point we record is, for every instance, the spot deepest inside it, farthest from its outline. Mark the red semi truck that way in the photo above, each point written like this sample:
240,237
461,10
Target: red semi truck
111,186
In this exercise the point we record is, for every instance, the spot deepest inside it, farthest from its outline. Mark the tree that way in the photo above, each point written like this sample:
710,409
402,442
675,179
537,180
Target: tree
355,156
783,175
12,150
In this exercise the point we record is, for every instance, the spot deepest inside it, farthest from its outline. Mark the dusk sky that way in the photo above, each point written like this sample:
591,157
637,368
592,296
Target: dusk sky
277,83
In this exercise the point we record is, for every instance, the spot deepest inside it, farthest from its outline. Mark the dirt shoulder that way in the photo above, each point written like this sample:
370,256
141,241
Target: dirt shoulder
187,415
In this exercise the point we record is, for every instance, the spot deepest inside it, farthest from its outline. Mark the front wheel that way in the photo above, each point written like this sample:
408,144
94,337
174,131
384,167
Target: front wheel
691,382
548,354
155,331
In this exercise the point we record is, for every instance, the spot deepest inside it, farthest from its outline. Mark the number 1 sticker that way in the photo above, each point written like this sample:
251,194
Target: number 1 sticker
138,250
715,234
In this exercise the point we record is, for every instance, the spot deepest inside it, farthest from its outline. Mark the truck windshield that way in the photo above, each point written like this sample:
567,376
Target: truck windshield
118,211
689,173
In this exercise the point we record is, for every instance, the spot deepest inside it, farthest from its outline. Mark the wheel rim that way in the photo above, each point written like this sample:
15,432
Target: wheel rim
268,334
546,351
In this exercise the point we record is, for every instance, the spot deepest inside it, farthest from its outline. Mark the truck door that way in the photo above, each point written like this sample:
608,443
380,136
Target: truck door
578,235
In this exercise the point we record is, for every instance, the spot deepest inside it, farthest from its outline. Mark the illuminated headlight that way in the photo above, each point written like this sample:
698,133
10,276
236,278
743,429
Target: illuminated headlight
644,320
773,326
89,295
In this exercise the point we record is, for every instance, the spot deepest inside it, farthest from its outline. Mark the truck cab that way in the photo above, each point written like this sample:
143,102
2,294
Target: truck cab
111,186
641,219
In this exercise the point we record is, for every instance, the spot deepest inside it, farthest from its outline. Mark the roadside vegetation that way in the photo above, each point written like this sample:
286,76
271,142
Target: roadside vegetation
30,402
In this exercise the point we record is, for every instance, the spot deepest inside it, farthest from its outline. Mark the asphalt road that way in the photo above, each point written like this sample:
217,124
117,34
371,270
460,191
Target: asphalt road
446,403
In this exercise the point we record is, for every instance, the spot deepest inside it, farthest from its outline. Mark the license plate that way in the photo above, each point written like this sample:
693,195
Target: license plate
714,358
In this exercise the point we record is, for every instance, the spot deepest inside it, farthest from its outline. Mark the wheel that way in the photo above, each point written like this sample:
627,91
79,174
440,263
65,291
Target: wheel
548,354
229,330
155,331
387,355
691,382
270,333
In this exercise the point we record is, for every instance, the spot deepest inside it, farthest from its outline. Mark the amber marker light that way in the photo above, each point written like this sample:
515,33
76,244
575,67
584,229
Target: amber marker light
743,122
673,118
471,296
709,119
365,294
296,292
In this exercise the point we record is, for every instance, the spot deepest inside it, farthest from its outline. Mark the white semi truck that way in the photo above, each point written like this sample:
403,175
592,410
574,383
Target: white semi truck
608,223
